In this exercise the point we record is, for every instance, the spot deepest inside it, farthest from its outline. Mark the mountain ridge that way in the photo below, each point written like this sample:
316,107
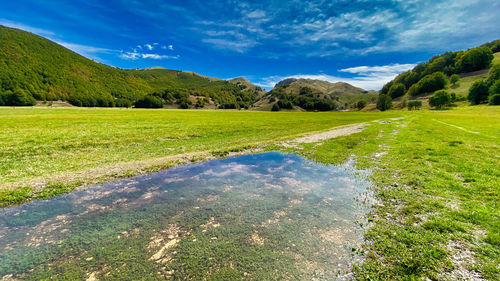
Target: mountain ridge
35,68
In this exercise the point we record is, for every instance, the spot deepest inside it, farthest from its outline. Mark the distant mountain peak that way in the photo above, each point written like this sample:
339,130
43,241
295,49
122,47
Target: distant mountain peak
285,82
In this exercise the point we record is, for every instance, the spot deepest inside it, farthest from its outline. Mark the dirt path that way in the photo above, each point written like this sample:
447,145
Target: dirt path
81,179
333,133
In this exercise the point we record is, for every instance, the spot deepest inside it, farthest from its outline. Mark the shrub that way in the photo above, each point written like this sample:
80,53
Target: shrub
149,102
439,99
360,104
496,47
454,79
229,106
3,99
494,99
493,74
403,102
17,98
123,103
495,88
414,104
453,97
285,104
384,102
397,90
413,90
478,92
200,103
275,107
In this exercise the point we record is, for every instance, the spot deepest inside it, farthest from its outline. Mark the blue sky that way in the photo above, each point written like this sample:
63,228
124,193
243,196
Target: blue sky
361,42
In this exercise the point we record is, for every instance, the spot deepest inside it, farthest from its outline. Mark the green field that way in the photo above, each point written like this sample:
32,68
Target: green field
437,179
62,148
435,172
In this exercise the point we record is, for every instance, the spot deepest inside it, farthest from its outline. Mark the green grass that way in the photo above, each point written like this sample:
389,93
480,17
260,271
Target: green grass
435,172
496,58
39,144
463,85
438,186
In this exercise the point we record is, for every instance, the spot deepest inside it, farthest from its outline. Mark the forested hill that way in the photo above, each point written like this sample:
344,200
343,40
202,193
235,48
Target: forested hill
427,77
34,68
317,95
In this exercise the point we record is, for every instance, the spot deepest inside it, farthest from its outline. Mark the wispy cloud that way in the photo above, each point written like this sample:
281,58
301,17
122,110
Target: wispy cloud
239,46
85,50
390,69
328,28
39,31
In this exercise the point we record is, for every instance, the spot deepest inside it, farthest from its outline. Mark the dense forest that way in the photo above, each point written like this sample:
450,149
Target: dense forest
431,76
34,68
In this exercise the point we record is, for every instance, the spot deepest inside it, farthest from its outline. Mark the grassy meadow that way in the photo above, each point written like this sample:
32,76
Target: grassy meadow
435,172
437,180
50,145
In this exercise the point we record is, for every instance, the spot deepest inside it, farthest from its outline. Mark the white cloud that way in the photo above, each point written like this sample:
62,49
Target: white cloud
148,46
391,69
158,57
169,47
136,55
257,14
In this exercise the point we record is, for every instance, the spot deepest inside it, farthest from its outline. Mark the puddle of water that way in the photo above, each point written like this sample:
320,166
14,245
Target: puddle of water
264,216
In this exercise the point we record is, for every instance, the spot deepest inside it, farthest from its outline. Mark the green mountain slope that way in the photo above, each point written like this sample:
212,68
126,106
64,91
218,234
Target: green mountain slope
427,77
309,94
32,66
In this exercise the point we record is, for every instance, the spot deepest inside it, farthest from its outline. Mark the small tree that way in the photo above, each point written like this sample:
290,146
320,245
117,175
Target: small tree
122,103
360,104
149,102
414,104
495,88
478,92
439,99
397,90
494,98
454,79
384,102
493,74
414,90
432,82
19,98
453,97
276,107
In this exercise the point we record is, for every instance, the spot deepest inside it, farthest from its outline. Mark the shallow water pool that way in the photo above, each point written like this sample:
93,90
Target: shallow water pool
268,216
